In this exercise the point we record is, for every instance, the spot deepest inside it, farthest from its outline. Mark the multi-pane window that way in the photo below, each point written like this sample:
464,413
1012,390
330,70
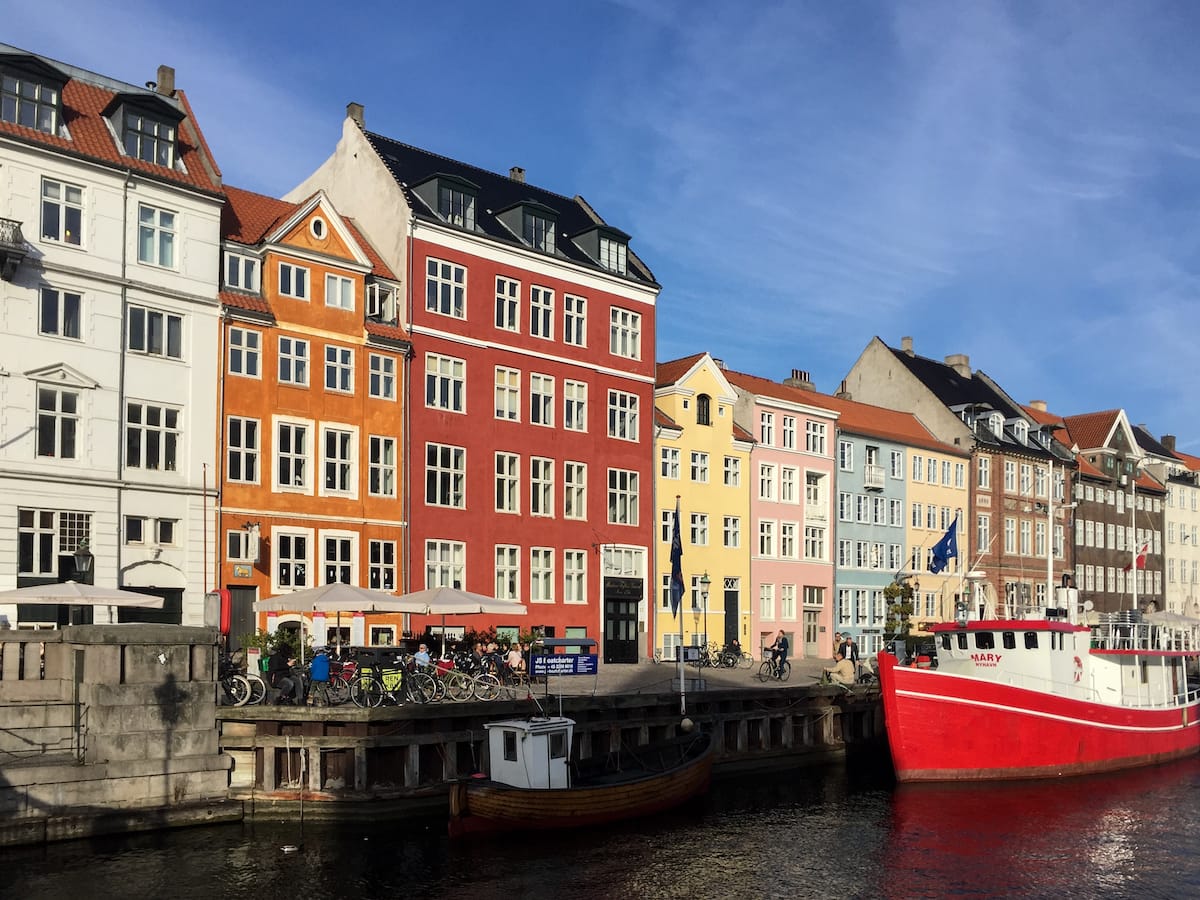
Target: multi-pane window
622,497
787,540
291,559
625,334
575,405
845,506
931,471
732,531
960,475
57,423
845,456
508,304
574,320
508,394
241,272
613,255
917,515
508,482
787,601
918,468
895,512
541,312
789,433
541,486
339,460
732,471
541,400
445,288
669,462
538,231
42,534
62,212
984,472
151,436
699,529
245,352
699,468
1025,534
1010,475
766,538
445,475
766,429
338,557
156,236
766,601
508,572
574,576
787,484
291,455
456,206
445,562
381,565
59,313
541,575
897,464
445,382
766,481
242,449
1026,478
293,361
1010,535
293,281
339,369
575,490
339,292
623,415
381,477
30,103
382,377
148,139
815,436
155,333
946,468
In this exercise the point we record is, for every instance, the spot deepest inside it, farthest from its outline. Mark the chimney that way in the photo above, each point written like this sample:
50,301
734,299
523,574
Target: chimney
166,81
960,363
516,173
1039,405
800,379
720,363
842,393
355,111
1168,441
906,345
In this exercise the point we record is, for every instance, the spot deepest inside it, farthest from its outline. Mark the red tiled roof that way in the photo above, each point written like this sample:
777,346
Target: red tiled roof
1042,417
859,418
238,300
386,331
742,434
1192,462
1086,468
1089,431
248,217
670,372
378,266
663,420
83,105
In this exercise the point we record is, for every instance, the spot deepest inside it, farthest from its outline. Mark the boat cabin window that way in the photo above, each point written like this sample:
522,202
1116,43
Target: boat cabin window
1010,640
962,640
1031,640
945,642
985,640
510,746
558,744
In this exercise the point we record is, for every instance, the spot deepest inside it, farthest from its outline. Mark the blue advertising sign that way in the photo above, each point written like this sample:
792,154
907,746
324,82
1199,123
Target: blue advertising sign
564,664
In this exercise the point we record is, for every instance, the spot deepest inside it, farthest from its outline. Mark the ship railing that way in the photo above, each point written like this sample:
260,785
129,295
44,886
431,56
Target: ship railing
1142,636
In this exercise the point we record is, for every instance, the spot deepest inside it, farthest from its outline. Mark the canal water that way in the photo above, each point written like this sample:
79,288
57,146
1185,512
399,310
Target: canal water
827,833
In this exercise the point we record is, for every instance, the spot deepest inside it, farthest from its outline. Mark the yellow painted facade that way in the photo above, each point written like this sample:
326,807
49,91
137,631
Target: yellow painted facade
937,482
702,460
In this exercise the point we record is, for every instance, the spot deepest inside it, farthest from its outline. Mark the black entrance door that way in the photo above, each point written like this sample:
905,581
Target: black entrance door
733,618
621,599
241,614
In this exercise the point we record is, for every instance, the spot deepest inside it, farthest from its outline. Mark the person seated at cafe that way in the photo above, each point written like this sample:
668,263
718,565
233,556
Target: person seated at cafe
279,674
421,657
841,672
515,659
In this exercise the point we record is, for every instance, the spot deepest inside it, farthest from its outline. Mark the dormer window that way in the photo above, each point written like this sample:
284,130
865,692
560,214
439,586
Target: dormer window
149,139
1021,430
996,424
538,231
612,255
381,302
29,102
607,246
241,272
456,205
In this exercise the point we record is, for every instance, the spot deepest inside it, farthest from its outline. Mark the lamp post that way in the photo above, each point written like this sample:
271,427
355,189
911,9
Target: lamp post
83,560
705,581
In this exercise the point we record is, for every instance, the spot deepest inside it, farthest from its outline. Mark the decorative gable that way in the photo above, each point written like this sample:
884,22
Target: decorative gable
62,375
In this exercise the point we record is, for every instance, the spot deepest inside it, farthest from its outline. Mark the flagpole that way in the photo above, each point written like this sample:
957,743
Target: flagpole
1050,536
677,537
1133,529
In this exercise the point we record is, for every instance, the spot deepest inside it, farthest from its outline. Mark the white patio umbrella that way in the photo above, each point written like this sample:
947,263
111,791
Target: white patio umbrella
448,601
73,593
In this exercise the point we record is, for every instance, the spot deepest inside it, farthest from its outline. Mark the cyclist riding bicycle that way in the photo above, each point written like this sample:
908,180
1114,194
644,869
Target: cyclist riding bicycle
779,652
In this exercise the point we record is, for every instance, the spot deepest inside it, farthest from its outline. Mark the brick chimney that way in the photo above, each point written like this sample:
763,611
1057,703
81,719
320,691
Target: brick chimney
800,379
906,345
718,362
960,363
842,393
1039,405
1168,441
355,111
166,81
516,173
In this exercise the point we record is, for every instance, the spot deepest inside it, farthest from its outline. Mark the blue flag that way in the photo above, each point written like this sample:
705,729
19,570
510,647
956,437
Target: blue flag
945,549
676,564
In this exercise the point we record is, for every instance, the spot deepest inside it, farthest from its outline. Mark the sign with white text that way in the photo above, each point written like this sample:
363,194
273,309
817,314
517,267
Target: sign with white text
564,664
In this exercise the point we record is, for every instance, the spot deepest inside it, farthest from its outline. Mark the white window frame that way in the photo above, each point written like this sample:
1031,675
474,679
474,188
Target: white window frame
449,468
575,405
623,416
508,303
245,353
445,288
508,394
574,320
574,490
294,354
382,462
508,482
301,459
625,333
242,454
445,383
156,236
381,377
445,563
541,312
339,369
339,292
541,400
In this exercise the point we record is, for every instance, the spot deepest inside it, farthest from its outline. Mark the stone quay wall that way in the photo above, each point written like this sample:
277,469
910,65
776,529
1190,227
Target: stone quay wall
109,728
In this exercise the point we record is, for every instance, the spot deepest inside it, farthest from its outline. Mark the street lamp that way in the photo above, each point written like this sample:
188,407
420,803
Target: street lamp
705,581
83,561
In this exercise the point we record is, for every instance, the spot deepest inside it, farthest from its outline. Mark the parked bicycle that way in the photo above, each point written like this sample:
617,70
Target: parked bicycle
770,669
372,687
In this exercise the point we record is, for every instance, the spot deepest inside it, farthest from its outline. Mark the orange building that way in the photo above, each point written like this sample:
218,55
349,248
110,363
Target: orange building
311,413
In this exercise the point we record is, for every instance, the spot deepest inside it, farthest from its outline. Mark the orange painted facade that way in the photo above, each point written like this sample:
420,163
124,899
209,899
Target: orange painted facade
312,413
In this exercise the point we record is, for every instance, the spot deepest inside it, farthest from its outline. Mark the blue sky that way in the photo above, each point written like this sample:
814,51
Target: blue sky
1015,181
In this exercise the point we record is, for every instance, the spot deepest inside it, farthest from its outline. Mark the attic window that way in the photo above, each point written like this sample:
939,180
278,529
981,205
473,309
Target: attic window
317,227
538,232
612,255
1021,430
149,139
996,424
456,206
28,102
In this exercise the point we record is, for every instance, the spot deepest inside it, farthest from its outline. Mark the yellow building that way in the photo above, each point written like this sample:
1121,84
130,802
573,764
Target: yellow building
704,461
936,493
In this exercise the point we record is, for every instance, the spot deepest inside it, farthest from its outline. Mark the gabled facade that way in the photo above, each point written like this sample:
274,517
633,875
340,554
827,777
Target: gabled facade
109,231
530,416
791,485
704,460
312,403
1019,474
1181,515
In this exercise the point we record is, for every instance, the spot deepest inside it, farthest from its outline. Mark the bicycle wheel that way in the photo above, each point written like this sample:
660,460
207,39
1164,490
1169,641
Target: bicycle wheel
367,692
459,686
419,687
258,689
339,690
746,660
486,687
764,670
787,671
439,688
235,690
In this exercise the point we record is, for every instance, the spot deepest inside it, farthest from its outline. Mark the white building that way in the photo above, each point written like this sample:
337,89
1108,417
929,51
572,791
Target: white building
109,236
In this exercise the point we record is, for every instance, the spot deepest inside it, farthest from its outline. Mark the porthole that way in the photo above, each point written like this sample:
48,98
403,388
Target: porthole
317,227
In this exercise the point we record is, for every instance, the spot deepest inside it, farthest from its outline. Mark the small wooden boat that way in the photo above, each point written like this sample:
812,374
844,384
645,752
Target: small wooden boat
535,786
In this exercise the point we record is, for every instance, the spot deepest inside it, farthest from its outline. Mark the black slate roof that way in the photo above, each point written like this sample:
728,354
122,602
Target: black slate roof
411,166
1150,444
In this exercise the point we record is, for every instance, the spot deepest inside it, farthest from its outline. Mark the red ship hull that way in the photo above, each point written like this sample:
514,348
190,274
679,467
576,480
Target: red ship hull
947,727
